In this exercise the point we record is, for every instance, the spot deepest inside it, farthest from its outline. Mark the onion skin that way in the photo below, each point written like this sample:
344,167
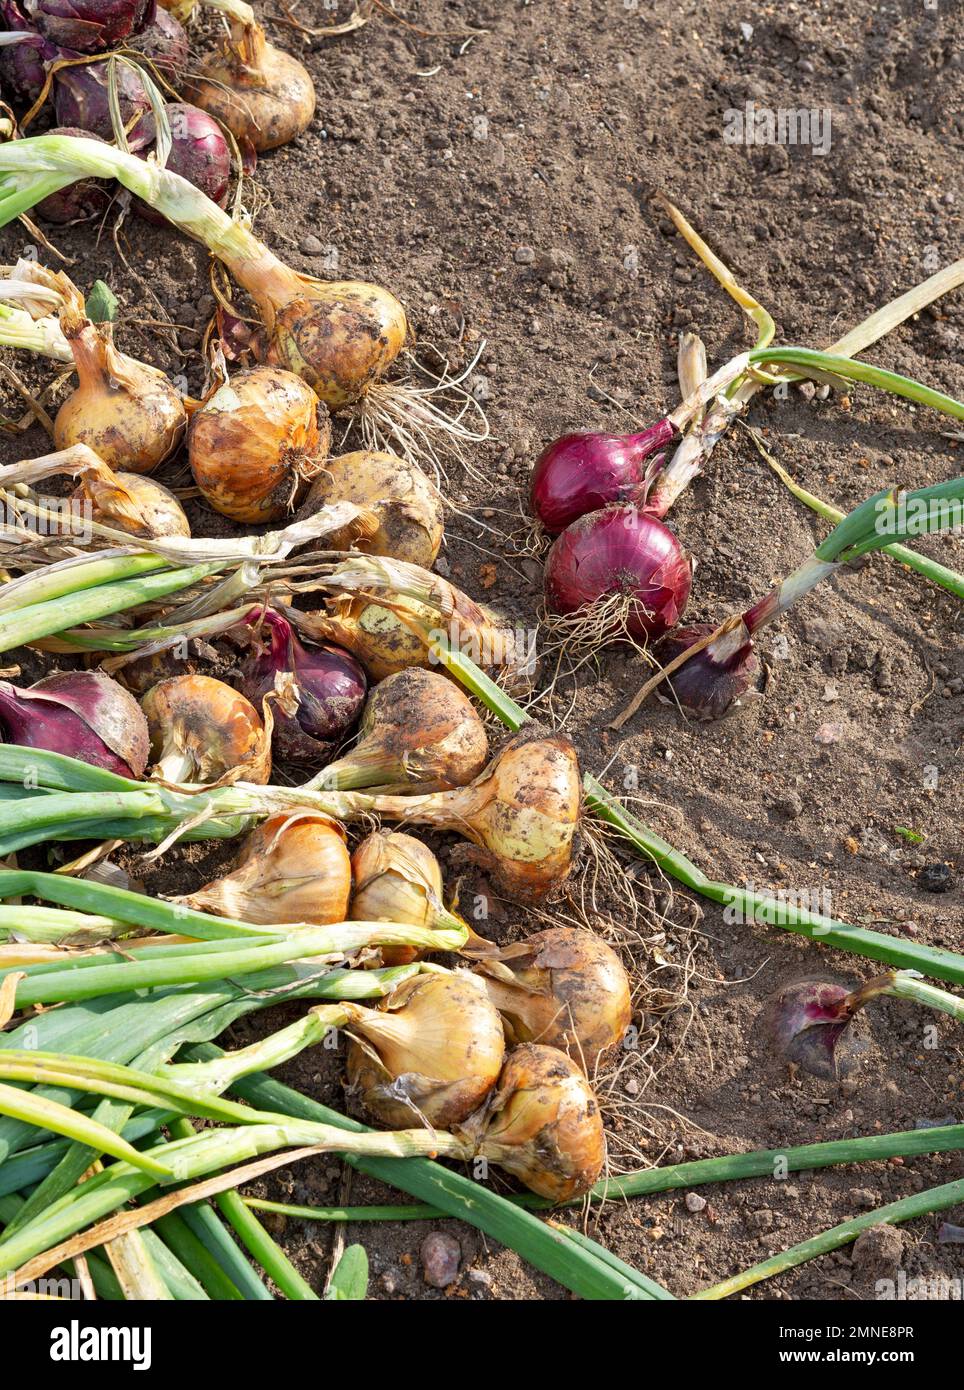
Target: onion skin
88,26
83,714
199,153
438,1042
254,444
294,867
708,687
79,201
205,733
328,686
396,879
619,550
22,72
543,1124
127,412
806,1022
563,987
81,98
262,94
134,504
580,473
164,41
407,504
381,641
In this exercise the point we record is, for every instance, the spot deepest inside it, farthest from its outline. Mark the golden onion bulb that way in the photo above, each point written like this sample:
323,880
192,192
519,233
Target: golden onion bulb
130,502
407,504
262,94
376,636
256,442
397,879
203,732
433,1051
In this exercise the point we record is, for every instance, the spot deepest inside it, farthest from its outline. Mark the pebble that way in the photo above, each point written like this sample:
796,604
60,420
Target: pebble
391,1281
865,1199
441,1257
525,255
311,246
828,733
746,32
694,1202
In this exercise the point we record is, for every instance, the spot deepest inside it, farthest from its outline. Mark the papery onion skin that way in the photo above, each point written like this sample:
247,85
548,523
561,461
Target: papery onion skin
543,1124
396,878
328,684
706,687
161,512
88,26
294,867
262,94
807,1021
620,551
205,732
199,153
381,641
144,672
22,72
255,442
164,41
441,1045
83,714
79,201
407,504
579,473
563,987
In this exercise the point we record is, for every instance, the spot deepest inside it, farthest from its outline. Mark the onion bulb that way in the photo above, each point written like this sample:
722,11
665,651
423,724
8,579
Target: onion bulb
563,987
88,26
80,201
256,442
199,152
82,98
580,473
418,728
294,867
713,682
543,1125
379,638
407,504
434,1049
133,503
260,93
127,412
163,40
83,714
203,732
325,685
398,879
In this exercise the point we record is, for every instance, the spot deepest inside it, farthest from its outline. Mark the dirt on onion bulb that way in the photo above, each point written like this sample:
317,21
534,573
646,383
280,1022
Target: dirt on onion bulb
563,987
260,93
406,502
294,867
381,641
130,502
127,412
398,879
418,728
326,685
204,733
432,1052
256,442
83,714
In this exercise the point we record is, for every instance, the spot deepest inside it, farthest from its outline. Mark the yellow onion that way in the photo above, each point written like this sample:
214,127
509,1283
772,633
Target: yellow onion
133,503
203,732
256,442
398,879
262,94
375,635
563,987
434,1050
407,504
418,727
294,867
127,412
543,1124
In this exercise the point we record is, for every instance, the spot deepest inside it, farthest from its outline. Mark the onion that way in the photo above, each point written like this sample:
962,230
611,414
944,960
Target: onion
142,674
713,682
543,1124
294,867
127,412
563,987
83,714
379,638
79,201
433,1050
807,1020
418,728
398,879
164,42
260,93
204,732
199,153
131,502
625,559
326,684
407,504
22,71
254,444
82,101
88,26
580,473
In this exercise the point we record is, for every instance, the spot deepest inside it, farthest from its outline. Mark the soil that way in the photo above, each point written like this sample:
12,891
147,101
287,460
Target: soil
498,180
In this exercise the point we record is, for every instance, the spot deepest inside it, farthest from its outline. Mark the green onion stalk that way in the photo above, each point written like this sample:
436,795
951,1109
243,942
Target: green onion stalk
19,330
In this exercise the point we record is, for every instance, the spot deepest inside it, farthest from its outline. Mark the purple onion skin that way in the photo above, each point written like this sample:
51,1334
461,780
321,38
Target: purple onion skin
83,714
164,41
708,688
580,473
89,26
199,153
80,98
619,550
22,71
79,201
807,1021
330,687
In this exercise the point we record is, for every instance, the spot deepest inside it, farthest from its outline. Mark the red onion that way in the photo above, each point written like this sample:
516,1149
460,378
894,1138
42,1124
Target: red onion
22,72
806,1021
79,201
713,681
89,26
80,98
84,714
164,41
328,685
620,551
581,472
199,153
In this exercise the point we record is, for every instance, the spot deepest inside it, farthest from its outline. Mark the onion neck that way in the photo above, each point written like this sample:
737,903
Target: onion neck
175,765
785,594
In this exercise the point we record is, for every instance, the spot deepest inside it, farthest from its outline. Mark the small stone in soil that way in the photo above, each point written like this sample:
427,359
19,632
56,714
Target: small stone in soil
828,733
524,255
441,1256
694,1202
935,878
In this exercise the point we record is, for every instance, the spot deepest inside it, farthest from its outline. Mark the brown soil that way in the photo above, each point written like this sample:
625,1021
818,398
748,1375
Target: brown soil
498,183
